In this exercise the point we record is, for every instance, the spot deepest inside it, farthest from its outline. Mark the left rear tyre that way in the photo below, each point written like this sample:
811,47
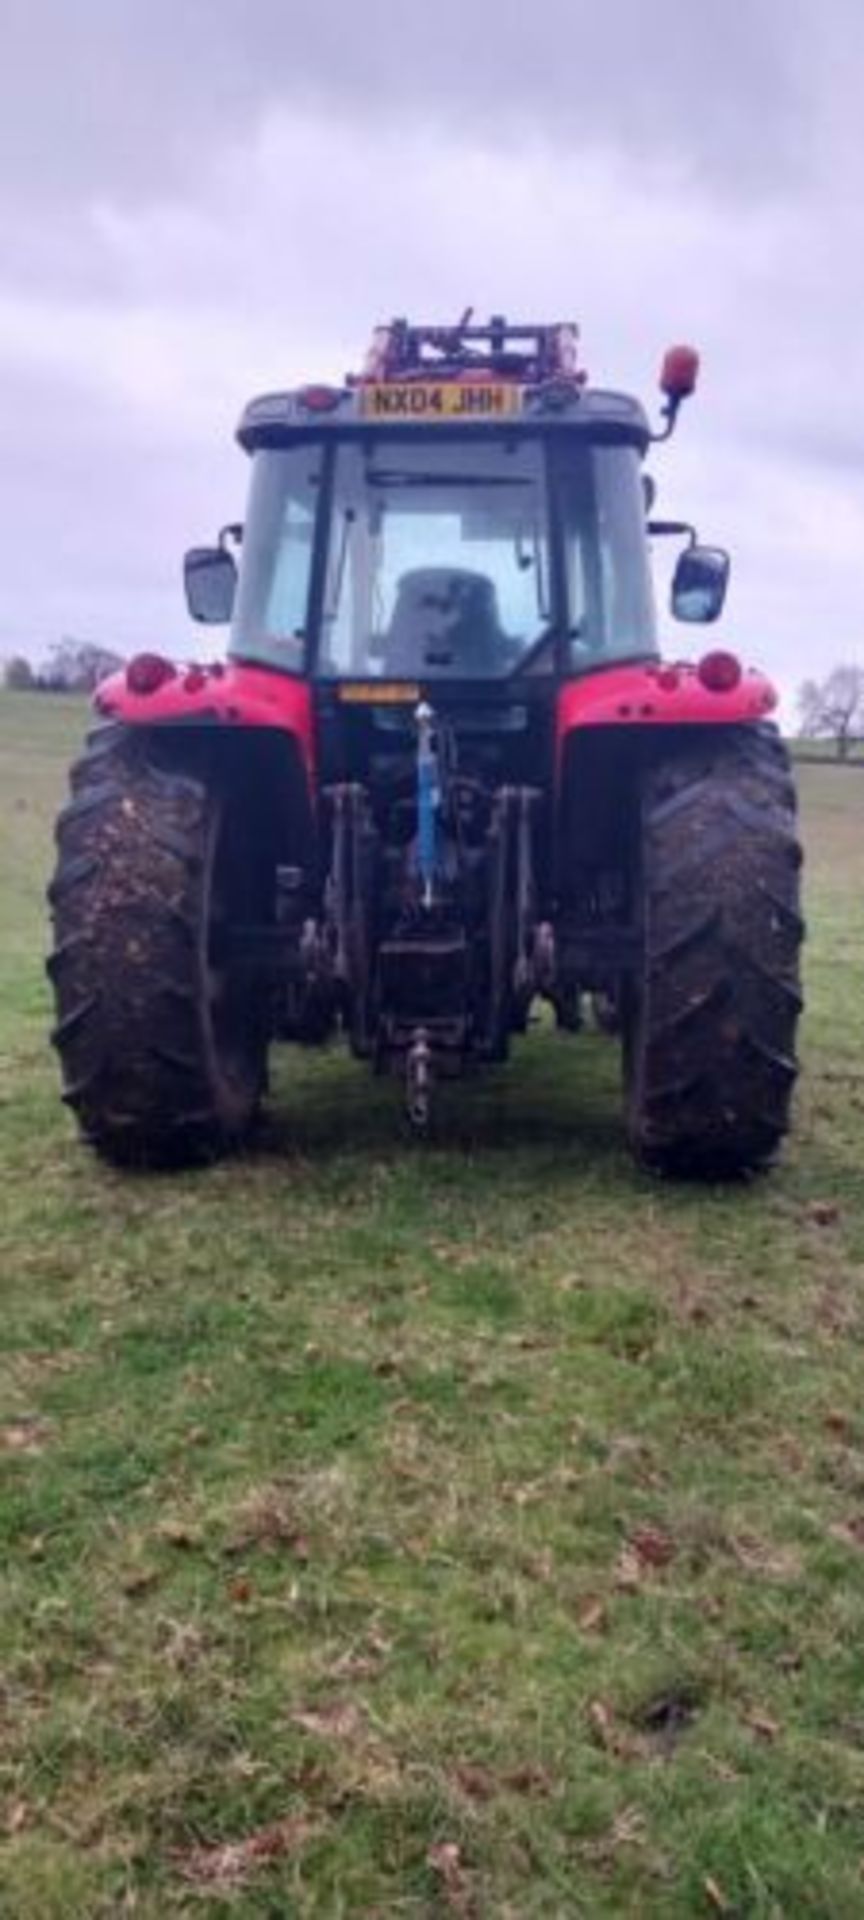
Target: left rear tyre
162,1045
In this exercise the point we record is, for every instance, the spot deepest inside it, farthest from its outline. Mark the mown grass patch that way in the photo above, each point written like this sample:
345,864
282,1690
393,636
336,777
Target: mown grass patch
473,1528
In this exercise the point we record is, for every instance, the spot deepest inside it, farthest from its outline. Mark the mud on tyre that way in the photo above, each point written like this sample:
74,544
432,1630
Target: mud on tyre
709,1039
163,1049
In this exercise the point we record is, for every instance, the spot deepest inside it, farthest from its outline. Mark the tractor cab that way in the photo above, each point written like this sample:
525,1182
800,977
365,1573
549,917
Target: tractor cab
464,511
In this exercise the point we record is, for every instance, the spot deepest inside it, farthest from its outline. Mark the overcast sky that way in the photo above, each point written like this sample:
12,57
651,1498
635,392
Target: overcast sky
200,199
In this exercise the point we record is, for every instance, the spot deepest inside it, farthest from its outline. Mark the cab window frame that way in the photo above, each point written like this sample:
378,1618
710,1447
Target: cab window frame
558,448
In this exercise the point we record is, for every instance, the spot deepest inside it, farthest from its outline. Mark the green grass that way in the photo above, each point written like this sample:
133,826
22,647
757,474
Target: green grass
474,1528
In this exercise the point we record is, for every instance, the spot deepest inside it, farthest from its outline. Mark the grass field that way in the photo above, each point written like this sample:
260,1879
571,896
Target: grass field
471,1529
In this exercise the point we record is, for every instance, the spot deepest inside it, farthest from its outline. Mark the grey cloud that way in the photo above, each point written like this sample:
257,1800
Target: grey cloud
837,452
107,96
95,515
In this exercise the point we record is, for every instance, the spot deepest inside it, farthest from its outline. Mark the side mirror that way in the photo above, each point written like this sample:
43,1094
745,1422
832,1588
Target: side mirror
699,583
210,580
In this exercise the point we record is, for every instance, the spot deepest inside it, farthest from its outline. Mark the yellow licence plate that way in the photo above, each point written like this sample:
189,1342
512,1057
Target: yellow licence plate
439,400
379,693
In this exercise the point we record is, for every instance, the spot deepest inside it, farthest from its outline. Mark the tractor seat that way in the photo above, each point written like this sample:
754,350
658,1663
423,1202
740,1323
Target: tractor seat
445,620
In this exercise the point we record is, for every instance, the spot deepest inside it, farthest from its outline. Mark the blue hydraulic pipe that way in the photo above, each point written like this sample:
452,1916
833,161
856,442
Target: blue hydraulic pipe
428,798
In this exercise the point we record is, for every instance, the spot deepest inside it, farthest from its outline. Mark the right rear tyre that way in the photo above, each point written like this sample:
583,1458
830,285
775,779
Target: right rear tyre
709,1029
162,1046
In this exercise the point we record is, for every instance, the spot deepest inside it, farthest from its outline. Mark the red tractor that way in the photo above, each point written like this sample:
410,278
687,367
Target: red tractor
442,770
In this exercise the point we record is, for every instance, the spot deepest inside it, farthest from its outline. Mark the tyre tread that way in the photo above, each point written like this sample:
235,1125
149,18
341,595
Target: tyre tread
139,1066
712,1059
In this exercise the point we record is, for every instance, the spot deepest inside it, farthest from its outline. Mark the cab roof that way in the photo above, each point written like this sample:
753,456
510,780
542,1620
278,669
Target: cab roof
432,405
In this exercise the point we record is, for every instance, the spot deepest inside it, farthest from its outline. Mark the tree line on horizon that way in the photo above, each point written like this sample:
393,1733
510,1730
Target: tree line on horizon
72,666
831,709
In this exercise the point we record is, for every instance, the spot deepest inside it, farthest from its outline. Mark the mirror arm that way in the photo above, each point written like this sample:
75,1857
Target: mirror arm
659,529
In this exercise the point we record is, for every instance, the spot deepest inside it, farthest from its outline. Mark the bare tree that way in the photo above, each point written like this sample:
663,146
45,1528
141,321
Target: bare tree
833,709
77,666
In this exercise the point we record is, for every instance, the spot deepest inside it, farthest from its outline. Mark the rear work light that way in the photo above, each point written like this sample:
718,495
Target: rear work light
319,399
718,671
148,672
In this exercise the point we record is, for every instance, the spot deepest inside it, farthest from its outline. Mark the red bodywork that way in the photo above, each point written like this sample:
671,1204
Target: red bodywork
642,693
655,693
226,694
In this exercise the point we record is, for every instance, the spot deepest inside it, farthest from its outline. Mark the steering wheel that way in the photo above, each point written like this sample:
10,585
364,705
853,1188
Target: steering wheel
538,647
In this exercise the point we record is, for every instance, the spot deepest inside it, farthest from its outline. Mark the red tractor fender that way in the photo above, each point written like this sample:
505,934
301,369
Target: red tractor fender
656,693
227,693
